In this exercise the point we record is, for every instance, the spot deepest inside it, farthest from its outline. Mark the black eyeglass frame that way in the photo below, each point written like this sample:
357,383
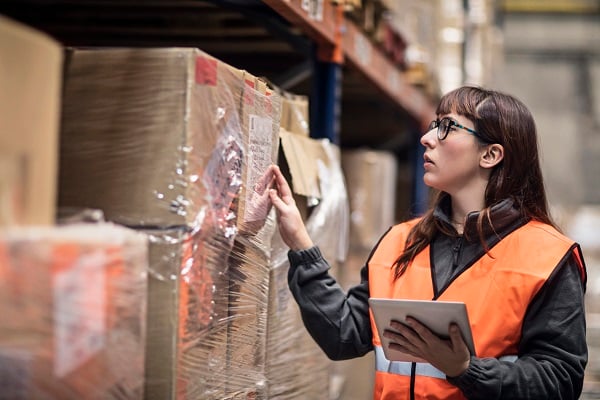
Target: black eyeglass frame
443,127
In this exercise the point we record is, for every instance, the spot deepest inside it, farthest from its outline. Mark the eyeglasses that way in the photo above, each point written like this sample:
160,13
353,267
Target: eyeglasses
445,124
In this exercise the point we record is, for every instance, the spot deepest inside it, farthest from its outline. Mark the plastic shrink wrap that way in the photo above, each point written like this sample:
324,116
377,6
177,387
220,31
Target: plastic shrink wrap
174,143
73,311
296,367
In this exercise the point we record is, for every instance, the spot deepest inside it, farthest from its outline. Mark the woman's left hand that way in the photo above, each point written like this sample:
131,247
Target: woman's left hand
451,356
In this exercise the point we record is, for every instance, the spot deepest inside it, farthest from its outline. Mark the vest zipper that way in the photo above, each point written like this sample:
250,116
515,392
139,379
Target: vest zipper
456,252
413,377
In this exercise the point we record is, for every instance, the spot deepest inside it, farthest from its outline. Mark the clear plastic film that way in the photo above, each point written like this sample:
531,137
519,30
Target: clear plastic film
141,125
73,306
296,367
176,147
329,222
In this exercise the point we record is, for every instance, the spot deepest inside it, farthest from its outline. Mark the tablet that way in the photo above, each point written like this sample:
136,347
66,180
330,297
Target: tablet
437,315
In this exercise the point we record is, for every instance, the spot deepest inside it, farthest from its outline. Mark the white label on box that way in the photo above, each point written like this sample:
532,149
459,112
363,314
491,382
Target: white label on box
79,312
314,9
15,373
362,49
393,81
259,159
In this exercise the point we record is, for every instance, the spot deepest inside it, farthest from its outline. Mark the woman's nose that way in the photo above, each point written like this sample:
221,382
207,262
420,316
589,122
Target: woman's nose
428,139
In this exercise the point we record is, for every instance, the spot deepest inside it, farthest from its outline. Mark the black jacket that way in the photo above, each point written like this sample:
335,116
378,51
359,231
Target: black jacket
552,351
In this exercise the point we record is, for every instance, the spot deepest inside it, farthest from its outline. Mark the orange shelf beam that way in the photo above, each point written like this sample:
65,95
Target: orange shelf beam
340,40
319,24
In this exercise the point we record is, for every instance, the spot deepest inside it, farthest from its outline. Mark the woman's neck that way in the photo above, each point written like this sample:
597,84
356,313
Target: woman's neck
461,207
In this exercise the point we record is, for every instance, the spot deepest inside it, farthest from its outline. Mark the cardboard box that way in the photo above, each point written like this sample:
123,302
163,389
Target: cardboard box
186,349
73,306
260,122
30,84
372,178
201,134
165,137
303,156
294,114
144,131
249,269
289,343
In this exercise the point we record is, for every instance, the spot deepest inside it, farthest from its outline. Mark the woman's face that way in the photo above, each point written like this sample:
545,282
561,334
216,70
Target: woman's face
452,165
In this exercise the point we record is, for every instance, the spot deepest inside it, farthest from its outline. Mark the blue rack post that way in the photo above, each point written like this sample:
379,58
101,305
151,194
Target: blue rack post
325,100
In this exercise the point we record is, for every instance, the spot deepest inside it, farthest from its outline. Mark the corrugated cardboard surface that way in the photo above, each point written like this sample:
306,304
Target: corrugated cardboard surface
139,129
185,303
30,84
294,113
290,344
151,136
371,177
303,155
174,142
260,122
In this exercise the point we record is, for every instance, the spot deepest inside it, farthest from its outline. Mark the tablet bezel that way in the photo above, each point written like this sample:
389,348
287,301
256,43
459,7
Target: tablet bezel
437,315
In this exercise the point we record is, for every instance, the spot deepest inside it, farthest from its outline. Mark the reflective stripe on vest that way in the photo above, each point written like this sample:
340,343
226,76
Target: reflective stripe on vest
382,364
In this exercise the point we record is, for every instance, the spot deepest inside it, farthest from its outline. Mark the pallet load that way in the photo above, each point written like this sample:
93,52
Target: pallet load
174,143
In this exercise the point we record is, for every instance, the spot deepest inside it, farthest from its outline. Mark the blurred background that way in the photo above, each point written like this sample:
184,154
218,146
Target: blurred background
361,75
551,62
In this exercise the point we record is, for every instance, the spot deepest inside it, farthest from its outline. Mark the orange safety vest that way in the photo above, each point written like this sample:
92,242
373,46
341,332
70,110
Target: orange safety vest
497,290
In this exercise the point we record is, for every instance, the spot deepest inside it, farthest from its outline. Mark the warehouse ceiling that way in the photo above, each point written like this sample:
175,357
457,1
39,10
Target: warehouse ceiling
246,34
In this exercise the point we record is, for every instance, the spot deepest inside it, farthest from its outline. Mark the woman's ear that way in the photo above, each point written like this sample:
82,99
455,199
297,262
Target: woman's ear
491,156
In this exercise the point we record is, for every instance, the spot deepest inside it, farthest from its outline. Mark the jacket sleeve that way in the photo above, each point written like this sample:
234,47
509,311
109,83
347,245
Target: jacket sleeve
337,321
552,351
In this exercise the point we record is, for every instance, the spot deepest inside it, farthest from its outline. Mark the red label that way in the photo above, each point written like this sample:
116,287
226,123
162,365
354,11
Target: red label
206,71
249,93
268,105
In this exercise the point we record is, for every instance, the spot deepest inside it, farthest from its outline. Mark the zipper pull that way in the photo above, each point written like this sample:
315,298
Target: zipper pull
456,252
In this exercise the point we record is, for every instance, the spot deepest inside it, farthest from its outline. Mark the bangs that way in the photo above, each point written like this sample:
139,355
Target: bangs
462,101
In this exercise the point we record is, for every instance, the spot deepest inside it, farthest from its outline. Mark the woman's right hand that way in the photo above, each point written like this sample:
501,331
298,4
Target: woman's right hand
291,227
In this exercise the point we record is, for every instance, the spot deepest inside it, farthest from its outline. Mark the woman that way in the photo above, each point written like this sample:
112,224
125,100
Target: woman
488,241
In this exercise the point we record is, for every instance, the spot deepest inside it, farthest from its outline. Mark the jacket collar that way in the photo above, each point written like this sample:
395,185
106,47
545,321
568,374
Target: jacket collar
503,217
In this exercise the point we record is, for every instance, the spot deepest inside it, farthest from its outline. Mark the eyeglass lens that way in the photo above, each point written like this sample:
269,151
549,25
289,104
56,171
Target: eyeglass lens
443,127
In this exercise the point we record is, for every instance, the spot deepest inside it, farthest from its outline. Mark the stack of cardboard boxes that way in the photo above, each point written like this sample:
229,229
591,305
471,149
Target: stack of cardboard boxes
183,292
72,299
174,142
313,169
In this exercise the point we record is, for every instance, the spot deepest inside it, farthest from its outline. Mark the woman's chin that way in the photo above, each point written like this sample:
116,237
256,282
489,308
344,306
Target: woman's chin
429,182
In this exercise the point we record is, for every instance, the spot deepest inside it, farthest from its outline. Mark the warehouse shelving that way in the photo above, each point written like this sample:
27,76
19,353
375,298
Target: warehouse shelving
279,30
340,39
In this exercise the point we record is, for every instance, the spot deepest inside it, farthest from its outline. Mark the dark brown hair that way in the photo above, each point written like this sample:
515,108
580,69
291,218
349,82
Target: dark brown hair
498,118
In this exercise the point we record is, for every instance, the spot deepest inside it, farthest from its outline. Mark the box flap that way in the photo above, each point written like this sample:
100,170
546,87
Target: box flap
302,154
